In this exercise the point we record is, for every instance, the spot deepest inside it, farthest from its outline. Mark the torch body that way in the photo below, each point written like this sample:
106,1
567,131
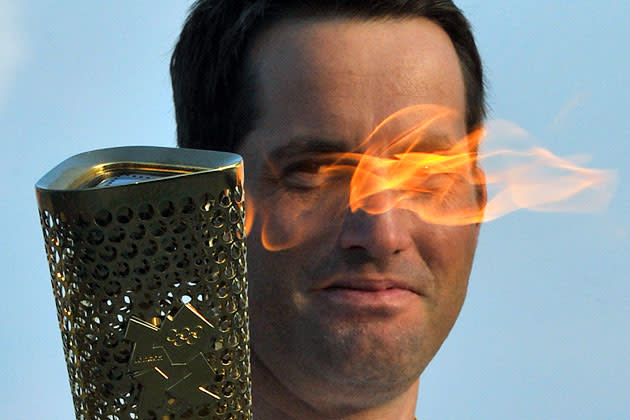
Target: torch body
146,249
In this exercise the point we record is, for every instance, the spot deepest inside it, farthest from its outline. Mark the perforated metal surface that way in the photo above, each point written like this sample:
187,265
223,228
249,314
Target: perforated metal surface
146,250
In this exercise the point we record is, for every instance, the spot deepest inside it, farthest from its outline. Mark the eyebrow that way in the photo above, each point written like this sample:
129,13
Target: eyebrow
307,145
435,143
432,141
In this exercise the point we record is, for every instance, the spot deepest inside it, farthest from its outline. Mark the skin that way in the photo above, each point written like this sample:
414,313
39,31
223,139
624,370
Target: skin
328,341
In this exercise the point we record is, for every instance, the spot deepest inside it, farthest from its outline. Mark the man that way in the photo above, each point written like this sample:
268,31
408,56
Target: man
347,305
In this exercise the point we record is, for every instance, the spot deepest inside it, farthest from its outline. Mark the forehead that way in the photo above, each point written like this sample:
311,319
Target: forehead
339,78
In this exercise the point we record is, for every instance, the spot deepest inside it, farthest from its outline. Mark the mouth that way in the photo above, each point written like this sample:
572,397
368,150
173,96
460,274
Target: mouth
372,293
368,284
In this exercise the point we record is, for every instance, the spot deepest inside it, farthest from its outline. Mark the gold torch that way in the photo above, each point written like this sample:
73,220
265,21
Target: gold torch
146,248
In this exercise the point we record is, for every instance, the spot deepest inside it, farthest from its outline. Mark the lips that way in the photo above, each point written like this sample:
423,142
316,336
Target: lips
366,296
368,283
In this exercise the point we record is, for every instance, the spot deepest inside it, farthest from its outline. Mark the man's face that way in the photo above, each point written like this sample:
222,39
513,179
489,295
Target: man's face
342,299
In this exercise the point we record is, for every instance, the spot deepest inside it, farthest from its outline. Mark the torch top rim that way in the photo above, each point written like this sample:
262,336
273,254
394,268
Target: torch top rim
139,164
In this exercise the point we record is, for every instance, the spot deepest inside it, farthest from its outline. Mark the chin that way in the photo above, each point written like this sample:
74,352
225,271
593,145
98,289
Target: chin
370,356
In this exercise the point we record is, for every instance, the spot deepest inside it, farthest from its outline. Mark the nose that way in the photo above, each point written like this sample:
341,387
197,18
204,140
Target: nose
377,235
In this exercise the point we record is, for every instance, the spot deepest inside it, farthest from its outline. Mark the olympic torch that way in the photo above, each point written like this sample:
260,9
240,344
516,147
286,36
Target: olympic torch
146,249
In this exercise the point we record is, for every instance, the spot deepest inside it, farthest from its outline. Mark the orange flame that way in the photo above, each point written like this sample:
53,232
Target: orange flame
414,161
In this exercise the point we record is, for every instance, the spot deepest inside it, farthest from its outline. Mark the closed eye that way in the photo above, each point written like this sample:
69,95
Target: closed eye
304,174
316,172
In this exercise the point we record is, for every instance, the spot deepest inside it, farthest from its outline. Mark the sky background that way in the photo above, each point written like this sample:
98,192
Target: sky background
545,331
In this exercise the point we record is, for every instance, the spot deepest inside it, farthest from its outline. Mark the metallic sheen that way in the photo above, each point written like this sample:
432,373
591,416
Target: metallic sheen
146,248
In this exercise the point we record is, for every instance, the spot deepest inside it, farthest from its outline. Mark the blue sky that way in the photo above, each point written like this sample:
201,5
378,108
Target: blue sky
545,332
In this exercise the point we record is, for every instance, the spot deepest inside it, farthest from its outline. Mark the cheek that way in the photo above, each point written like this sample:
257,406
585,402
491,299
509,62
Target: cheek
289,239
450,262
289,220
277,284
449,252
269,277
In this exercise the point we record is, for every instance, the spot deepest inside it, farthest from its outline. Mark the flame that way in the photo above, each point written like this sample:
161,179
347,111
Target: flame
413,161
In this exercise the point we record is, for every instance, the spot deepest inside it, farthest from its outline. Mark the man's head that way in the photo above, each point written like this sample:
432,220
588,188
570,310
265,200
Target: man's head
347,307
214,85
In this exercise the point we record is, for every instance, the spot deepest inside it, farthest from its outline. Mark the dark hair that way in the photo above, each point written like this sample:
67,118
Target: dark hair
213,89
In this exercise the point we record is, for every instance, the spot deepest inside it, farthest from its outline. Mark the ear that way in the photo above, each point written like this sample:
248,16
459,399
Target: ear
481,193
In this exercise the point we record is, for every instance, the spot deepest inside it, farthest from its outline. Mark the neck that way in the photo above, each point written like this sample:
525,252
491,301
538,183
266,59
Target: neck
272,400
